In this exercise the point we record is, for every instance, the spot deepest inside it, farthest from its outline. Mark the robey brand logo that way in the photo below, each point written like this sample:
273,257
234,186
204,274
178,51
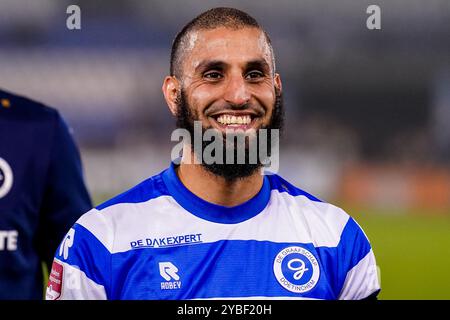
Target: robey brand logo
169,272
67,243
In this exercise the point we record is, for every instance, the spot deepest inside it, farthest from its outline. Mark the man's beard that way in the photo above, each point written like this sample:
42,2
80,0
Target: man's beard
231,171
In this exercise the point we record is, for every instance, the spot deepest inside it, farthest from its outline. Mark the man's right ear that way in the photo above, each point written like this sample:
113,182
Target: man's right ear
171,89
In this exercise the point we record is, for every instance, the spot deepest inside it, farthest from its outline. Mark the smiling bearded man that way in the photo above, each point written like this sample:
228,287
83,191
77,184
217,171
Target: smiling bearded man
258,148
202,231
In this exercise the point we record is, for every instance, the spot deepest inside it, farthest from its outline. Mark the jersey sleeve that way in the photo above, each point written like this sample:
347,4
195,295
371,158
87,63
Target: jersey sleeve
81,269
357,266
65,197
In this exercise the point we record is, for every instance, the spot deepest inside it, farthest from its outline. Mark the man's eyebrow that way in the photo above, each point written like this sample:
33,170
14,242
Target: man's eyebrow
210,64
259,64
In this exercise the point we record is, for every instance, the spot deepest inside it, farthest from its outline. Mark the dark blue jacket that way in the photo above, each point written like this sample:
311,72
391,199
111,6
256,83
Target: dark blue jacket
42,192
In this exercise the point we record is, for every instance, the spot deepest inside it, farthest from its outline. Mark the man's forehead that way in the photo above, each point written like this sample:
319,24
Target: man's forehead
226,44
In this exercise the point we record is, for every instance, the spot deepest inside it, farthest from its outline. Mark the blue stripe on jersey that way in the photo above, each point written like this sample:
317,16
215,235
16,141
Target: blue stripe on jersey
355,242
229,268
89,255
352,248
210,211
149,189
278,183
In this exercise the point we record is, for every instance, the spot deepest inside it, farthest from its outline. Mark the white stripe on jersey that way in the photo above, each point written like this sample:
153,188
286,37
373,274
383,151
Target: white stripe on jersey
100,226
286,218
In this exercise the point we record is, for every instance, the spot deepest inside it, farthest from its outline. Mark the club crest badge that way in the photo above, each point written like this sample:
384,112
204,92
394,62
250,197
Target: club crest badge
296,269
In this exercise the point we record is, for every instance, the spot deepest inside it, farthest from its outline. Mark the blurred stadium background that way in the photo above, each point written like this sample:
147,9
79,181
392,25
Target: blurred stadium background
368,112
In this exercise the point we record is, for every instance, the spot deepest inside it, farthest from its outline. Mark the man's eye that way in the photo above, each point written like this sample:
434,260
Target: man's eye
254,75
212,75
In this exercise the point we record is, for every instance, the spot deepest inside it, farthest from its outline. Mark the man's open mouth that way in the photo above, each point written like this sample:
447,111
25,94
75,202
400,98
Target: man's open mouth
233,121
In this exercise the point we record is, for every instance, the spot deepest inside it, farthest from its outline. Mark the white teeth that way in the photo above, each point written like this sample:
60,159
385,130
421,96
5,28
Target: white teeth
234,120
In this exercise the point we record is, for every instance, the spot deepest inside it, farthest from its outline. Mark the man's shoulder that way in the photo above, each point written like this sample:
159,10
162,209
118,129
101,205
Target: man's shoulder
305,198
102,220
25,108
323,218
281,185
322,215
148,189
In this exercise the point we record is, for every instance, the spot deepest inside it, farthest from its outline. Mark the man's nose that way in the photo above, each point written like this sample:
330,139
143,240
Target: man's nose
236,91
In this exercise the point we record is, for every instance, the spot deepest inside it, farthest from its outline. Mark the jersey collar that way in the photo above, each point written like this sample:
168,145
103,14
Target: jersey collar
210,211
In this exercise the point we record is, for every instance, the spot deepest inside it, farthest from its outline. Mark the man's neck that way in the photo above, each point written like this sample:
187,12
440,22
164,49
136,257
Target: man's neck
218,190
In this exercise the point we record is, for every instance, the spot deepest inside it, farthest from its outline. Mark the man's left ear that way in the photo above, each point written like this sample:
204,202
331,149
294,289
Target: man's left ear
170,88
278,85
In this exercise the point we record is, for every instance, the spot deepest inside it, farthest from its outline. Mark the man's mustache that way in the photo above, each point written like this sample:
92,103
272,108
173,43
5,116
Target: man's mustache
258,110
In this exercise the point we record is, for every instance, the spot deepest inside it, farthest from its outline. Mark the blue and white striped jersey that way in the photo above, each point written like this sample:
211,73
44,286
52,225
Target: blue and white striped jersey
160,241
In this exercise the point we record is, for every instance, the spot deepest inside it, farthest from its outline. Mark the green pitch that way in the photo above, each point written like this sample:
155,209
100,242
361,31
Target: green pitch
412,250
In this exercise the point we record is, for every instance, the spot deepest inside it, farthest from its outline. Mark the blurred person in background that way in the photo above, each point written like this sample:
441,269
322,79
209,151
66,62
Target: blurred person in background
42,192
217,230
